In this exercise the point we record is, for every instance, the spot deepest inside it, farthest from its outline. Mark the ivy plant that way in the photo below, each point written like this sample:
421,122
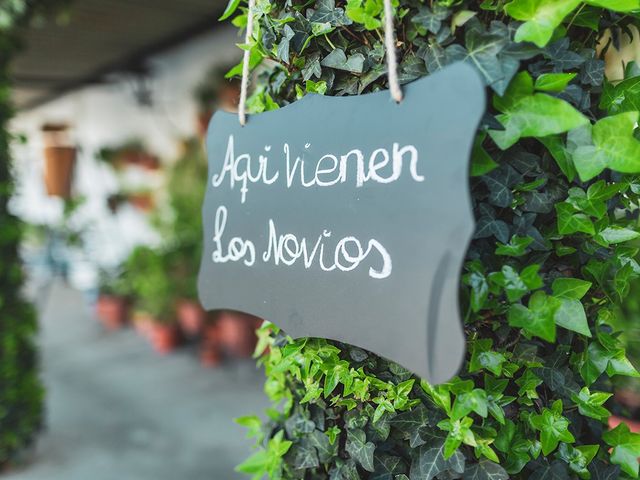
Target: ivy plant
555,187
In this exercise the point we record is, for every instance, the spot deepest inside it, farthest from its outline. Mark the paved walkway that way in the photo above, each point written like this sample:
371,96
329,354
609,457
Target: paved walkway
118,411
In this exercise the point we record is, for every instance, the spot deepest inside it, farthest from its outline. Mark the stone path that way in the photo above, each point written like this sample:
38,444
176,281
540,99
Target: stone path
118,411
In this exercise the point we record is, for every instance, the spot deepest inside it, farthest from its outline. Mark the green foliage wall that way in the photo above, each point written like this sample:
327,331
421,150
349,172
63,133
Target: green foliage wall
21,392
556,199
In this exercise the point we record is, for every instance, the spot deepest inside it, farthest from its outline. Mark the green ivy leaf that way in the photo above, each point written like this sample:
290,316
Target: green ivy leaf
231,7
431,19
485,470
482,357
570,221
553,82
616,5
338,60
359,449
626,448
571,315
414,422
578,458
570,288
430,461
516,247
590,404
387,467
325,448
528,114
365,12
622,97
616,234
481,161
553,427
459,432
473,401
558,151
538,319
541,18
613,136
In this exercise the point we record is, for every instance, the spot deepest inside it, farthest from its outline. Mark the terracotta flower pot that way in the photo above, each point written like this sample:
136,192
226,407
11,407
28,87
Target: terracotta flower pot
191,317
59,163
142,201
236,332
202,122
210,355
614,421
211,334
113,311
138,158
164,338
143,324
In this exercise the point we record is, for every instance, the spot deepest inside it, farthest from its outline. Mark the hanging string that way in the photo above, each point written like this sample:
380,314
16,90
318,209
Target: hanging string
244,85
389,41
390,47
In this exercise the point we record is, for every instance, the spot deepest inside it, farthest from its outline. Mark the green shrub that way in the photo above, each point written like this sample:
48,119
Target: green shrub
556,202
21,393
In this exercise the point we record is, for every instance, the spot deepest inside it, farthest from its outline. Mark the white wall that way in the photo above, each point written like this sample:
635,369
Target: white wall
109,114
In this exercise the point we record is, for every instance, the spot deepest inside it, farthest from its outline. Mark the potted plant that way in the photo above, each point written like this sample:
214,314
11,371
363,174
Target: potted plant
131,152
59,160
154,296
112,306
183,232
236,332
216,91
142,199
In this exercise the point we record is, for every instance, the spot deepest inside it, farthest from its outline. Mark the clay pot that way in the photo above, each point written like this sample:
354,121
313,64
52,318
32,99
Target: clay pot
113,311
211,334
191,317
614,421
138,158
59,163
143,324
210,355
142,201
628,398
202,122
236,333
164,338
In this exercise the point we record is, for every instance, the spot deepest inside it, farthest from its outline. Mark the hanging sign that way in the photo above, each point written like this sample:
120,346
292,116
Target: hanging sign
348,218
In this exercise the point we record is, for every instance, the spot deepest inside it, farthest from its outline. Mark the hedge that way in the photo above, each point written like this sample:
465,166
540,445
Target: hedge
21,392
555,193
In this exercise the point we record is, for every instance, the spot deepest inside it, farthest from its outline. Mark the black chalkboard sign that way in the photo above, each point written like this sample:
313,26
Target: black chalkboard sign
348,218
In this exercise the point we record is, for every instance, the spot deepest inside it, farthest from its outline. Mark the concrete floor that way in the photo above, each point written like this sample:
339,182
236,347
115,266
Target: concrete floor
118,411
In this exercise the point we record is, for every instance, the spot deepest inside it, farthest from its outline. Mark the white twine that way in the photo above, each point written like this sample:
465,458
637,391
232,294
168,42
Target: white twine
392,60
244,85
389,43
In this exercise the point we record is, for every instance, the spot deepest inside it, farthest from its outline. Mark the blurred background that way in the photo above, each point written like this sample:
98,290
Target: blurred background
112,103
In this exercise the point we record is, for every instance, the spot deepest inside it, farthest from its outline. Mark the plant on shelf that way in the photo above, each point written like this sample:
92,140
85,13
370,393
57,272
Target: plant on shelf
112,306
556,194
140,198
131,152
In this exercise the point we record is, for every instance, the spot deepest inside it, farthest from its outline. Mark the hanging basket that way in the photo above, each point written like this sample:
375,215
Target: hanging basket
59,163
